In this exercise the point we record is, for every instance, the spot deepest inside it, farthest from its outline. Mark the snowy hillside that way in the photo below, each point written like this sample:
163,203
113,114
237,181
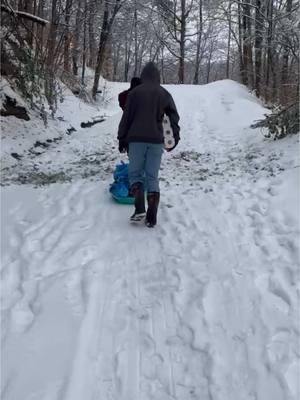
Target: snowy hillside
204,307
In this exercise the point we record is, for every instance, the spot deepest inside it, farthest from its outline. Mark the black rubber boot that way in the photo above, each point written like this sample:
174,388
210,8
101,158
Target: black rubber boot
151,216
137,191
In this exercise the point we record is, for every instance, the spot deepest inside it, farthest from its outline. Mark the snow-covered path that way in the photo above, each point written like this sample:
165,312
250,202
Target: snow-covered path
204,306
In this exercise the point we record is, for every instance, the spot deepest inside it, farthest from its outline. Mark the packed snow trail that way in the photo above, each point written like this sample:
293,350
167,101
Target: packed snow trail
204,306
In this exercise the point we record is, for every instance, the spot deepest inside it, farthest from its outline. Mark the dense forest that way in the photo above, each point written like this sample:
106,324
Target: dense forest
256,42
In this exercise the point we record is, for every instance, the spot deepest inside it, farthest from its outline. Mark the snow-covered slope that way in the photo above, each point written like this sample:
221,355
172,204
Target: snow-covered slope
205,306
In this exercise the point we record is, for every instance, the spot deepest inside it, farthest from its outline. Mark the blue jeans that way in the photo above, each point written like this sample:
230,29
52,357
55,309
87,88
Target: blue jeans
144,163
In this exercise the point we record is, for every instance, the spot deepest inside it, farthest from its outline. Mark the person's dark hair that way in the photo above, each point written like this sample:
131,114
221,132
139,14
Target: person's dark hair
135,81
150,73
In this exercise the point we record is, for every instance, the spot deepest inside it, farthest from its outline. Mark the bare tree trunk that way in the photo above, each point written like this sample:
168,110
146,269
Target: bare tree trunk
275,77
27,6
116,59
258,45
101,50
33,27
209,62
92,40
105,32
67,35
229,40
250,35
127,55
76,49
248,59
107,67
243,69
162,65
199,40
40,30
285,59
182,42
135,40
84,42
126,69
50,61
269,47
52,34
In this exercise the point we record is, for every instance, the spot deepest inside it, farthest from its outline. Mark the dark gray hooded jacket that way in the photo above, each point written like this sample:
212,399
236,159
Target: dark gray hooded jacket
145,107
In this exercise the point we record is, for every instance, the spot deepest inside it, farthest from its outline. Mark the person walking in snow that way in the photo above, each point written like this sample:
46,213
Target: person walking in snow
141,133
135,81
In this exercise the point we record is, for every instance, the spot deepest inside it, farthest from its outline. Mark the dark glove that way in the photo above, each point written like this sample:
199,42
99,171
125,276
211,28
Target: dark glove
123,146
176,143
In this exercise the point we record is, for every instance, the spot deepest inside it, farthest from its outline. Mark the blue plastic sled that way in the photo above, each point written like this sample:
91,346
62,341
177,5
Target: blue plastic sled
119,189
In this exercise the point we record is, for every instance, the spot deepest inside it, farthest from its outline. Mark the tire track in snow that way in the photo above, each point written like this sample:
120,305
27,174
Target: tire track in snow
114,360
155,299
82,382
132,383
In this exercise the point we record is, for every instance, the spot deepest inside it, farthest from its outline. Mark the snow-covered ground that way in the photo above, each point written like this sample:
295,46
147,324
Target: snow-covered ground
204,307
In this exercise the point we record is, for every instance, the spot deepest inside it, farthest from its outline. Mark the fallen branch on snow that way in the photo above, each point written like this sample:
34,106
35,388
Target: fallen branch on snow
25,15
91,123
280,123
